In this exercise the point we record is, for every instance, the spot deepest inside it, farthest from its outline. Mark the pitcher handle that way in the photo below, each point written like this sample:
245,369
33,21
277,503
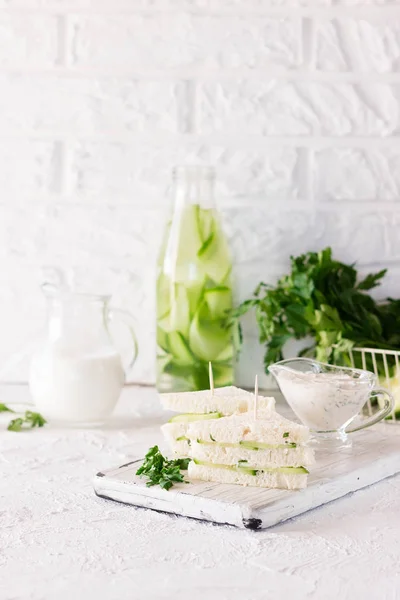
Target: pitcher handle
381,414
129,320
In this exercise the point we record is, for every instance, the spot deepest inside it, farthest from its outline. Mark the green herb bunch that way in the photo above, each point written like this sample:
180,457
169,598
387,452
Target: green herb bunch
322,298
161,471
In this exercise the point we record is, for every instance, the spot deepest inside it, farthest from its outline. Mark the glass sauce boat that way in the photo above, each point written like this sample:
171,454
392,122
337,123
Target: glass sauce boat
327,398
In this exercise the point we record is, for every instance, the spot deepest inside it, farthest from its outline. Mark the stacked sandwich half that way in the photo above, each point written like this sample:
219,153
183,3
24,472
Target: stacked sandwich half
257,449
268,451
204,406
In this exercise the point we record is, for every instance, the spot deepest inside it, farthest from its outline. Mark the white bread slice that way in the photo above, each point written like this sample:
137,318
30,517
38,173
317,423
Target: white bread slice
283,457
226,400
264,479
171,433
269,428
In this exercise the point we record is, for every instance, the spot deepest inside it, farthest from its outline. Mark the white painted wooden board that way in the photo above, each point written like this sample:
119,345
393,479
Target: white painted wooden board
374,456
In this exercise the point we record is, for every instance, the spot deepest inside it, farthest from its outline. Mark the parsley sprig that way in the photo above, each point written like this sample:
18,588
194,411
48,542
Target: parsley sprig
161,471
29,420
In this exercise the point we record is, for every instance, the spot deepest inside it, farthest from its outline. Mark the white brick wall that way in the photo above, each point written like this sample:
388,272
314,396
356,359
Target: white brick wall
296,103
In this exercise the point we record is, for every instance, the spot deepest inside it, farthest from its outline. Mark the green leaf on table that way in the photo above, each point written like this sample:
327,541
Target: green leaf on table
29,420
34,419
5,408
16,424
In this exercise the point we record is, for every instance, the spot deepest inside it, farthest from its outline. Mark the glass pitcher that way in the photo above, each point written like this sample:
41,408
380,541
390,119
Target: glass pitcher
327,398
194,289
76,374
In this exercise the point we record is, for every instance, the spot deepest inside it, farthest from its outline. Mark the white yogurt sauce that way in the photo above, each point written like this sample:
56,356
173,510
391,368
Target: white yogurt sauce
324,401
79,389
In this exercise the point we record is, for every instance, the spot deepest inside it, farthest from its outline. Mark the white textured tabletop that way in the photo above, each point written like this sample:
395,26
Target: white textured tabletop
59,541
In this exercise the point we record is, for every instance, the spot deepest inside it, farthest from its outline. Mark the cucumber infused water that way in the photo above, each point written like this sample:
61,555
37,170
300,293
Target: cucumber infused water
194,290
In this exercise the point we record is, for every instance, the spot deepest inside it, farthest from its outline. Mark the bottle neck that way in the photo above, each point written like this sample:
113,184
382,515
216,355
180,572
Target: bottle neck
195,186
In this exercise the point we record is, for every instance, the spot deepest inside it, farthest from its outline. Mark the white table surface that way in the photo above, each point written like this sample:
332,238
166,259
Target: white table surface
59,541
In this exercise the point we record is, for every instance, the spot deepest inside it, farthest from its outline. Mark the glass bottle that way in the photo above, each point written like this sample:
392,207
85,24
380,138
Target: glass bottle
194,290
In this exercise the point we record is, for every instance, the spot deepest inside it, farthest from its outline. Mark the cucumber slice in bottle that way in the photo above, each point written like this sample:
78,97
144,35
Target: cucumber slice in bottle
215,258
226,355
162,339
179,319
183,245
207,337
195,295
163,361
181,375
219,301
205,245
205,223
179,348
163,296
223,374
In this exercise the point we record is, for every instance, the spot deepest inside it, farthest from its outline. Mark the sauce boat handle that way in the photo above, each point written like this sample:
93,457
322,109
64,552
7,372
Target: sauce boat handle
381,414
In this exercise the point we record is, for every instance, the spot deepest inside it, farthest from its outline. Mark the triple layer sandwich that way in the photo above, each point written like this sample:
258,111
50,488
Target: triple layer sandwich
268,451
204,406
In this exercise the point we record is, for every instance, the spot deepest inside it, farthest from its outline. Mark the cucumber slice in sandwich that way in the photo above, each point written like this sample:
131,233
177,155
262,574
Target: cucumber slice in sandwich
252,470
187,418
248,445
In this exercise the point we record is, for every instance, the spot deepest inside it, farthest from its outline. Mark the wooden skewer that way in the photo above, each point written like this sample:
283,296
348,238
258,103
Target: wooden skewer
255,397
211,378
